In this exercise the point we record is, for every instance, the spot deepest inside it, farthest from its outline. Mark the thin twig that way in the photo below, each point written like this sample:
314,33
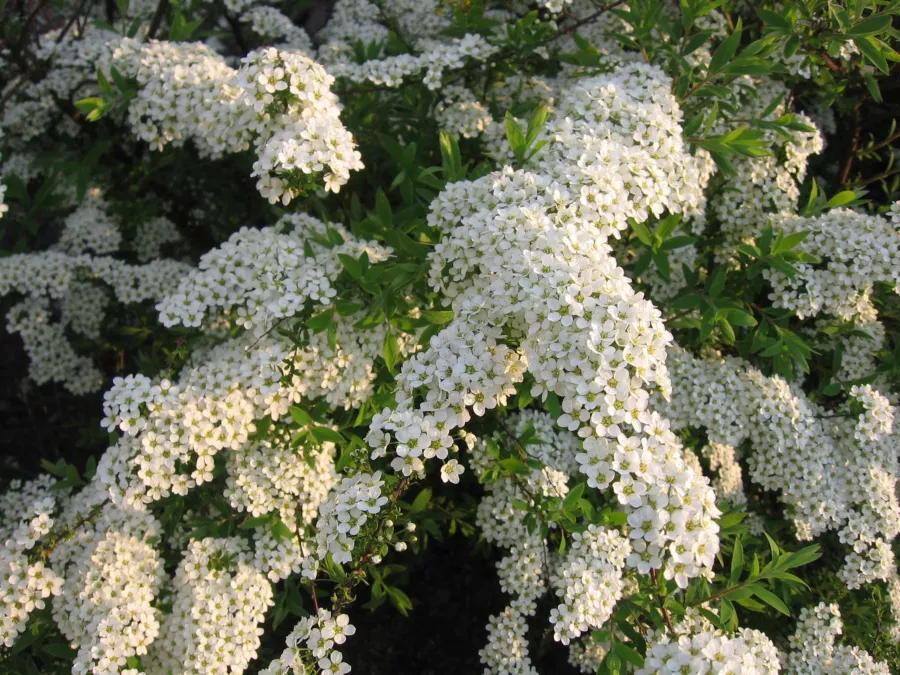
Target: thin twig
662,605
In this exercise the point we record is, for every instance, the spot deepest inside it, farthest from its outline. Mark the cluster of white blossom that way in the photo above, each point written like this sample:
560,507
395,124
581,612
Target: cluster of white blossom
313,643
89,229
855,251
698,647
25,584
113,575
266,275
528,252
589,582
506,652
858,348
174,429
877,421
51,357
829,475
769,184
814,651
729,477
272,25
460,113
436,58
219,602
152,235
60,296
279,102
273,476
354,500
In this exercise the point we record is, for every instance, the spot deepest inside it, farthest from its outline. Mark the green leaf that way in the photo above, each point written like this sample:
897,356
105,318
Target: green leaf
420,503
628,654
716,283
775,19
790,241
438,317
737,561
400,600
772,600
320,322
741,318
515,136
688,302
391,351
280,530
662,264
871,49
351,264
642,232
59,650
325,434
104,84
870,26
677,242
841,199
536,122
573,496
451,158
300,416
253,523
726,51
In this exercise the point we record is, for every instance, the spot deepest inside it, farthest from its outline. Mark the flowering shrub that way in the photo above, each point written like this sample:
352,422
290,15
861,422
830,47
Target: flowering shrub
605,292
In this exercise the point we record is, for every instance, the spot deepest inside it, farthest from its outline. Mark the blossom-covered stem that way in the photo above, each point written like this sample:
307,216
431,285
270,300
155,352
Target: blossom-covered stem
358,571
662,605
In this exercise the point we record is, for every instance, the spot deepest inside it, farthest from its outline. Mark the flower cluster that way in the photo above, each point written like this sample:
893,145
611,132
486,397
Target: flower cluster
698,647
589,581
814,651
272,25
219,601
831,476
354,500
313,643
262,276
279,101
855,250
25,585
113,575
152,235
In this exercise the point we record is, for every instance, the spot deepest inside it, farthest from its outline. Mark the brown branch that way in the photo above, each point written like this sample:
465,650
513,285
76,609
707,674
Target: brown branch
851,149
877,177
662,605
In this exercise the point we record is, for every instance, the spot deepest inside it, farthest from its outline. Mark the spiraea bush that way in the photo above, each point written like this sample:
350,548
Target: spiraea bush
605,291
